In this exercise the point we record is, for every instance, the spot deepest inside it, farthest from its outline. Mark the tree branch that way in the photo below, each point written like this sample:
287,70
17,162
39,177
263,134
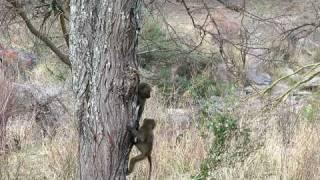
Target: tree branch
63,57
298,84
64,29
287,76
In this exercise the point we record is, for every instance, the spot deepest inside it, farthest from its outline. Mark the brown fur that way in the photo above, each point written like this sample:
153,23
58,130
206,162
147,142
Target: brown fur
144,143
144,92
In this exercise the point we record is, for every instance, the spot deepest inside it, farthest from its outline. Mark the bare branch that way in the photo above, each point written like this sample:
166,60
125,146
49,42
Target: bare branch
63,57
287,76
281,98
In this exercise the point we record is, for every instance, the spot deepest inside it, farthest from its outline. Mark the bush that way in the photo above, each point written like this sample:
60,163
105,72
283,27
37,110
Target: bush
230,144
203,87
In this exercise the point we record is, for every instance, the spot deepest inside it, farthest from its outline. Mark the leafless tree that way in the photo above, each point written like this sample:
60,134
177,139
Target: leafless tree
239,34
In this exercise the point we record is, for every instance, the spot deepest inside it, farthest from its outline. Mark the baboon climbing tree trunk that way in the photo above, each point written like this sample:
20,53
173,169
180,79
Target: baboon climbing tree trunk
103,41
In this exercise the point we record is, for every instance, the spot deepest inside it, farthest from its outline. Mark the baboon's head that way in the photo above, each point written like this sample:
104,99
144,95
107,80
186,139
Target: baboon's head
144,90
150,123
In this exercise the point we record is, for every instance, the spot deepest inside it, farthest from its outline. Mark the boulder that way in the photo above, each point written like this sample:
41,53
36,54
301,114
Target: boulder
258,77
181,118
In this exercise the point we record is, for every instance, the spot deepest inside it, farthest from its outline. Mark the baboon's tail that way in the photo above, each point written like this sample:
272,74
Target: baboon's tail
150,167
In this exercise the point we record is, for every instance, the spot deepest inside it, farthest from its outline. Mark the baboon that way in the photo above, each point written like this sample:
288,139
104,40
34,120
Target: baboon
144,91
144,143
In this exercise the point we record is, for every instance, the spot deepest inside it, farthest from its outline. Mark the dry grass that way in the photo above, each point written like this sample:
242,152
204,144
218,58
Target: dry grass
174,160
177,152
290,148
6,105
306,153
289,145
41,158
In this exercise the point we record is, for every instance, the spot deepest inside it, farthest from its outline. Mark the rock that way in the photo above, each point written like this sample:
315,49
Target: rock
312,85
255,73
258,78
181,118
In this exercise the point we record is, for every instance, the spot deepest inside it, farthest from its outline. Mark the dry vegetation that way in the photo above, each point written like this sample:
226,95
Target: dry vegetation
57,158
284,145
238,136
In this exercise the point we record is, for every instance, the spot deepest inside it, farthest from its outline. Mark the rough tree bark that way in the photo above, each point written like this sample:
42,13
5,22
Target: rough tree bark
102,53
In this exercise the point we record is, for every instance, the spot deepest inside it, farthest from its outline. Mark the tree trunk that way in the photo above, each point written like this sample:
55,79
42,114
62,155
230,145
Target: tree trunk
102,52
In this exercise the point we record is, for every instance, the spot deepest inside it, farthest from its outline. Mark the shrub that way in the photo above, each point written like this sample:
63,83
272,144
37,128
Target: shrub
230,144
203,87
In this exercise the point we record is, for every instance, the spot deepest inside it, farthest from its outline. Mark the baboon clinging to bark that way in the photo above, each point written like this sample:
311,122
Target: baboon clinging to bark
144,91
144,143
